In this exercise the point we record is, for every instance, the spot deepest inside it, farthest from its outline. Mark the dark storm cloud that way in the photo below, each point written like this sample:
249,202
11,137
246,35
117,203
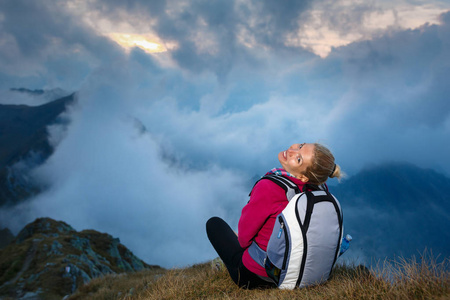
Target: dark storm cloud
275,19
210,35
43,41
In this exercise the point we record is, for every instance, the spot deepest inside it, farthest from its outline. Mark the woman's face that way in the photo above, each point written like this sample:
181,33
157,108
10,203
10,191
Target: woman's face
296,159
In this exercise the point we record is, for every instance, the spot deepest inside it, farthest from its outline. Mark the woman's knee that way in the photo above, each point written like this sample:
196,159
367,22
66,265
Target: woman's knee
214,223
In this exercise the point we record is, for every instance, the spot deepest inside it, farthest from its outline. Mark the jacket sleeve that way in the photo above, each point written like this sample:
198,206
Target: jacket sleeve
264,201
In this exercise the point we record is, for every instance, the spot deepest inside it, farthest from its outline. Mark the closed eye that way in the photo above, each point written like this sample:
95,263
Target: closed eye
299,158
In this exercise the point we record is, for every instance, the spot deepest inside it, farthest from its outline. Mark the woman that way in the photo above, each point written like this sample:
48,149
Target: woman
302,164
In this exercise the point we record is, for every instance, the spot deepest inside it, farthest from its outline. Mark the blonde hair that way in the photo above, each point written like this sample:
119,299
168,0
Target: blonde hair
322,166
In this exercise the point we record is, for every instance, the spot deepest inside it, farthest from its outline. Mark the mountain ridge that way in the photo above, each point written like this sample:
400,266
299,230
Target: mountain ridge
24,138
50,259
392,178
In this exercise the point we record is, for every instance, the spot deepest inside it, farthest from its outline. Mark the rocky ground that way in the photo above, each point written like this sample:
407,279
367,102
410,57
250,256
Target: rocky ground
49,260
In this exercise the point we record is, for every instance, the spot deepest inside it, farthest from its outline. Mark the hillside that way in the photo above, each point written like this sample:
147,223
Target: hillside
36,267
6,237
412,279
396,209
24,138
49,259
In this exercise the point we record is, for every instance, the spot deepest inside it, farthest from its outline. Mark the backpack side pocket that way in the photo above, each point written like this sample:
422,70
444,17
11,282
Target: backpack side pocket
278,250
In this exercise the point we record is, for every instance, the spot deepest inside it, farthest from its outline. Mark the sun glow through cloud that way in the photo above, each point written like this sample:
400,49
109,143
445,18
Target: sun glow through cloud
321,37
144,42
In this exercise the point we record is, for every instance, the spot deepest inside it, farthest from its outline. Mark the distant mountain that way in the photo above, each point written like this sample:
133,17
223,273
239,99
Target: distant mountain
24,138
396,209
49,259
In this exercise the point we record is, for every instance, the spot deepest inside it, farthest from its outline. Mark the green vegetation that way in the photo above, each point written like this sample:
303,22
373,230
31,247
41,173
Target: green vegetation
11,261
422,278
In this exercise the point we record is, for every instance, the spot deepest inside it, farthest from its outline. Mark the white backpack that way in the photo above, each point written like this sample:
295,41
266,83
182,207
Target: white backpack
306,237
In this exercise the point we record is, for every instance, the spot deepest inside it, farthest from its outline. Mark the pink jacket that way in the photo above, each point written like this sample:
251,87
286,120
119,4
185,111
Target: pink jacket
258,218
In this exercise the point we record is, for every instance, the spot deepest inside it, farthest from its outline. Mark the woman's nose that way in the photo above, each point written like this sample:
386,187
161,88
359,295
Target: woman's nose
294,147
292,150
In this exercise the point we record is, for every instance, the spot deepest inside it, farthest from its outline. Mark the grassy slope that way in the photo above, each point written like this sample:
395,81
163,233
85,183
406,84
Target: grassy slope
423,279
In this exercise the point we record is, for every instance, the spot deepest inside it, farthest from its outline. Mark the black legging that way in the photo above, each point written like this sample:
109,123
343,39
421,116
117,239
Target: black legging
226,244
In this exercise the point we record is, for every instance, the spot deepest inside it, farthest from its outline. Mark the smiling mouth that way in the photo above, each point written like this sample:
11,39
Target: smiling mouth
284,154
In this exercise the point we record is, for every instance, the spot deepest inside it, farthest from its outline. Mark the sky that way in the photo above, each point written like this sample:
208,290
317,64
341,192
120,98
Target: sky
182,104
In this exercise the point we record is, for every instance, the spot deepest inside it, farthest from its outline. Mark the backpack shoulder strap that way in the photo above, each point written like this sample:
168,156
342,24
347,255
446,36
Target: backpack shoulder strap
313,187
286,184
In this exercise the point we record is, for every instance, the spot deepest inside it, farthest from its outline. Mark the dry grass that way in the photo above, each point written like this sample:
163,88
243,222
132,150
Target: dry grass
422,278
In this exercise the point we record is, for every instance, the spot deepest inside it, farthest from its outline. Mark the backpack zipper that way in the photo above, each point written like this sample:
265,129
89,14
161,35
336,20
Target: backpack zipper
286,238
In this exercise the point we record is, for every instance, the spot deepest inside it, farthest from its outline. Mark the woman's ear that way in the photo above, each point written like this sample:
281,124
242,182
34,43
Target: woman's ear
303,178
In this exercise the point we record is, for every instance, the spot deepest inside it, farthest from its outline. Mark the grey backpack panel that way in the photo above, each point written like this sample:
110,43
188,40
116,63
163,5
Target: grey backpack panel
323,235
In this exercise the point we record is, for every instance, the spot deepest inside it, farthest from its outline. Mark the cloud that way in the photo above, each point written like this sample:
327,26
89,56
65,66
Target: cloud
160,142
212,37
108,174
48,45
397,94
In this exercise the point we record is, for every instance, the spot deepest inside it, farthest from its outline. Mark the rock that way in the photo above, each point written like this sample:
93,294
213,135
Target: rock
44,226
